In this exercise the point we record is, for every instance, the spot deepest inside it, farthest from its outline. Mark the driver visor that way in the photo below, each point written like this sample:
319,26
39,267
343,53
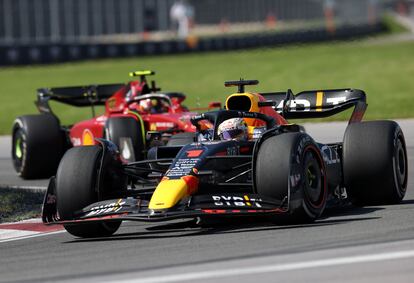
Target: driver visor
230,134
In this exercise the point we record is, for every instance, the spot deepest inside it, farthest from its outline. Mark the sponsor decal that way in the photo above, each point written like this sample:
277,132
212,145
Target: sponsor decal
111,103
76,141
87,137
194,152
101,118
336,100
305,104
296,103
249,114
164,125
153,127
107,208
245,201
182,166
197,117
233,150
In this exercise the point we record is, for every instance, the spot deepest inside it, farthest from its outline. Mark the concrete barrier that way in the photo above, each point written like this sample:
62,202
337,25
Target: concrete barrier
64,52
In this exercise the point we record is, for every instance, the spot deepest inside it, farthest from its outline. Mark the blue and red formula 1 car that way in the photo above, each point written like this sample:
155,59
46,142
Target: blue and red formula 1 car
131,111
255,165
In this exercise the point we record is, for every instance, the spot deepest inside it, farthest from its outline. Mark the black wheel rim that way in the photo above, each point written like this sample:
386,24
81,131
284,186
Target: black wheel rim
400,167
313,183
18,149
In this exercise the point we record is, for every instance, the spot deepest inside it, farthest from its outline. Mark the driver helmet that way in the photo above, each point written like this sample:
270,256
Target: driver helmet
233,129
146,105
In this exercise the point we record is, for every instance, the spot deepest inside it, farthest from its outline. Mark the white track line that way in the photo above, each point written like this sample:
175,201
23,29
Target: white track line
274,267
33,235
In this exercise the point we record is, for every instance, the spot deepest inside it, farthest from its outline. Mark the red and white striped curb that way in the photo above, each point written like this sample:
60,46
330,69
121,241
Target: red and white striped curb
26,229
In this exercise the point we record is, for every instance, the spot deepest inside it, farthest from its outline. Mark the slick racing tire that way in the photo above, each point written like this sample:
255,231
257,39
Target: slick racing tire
76,182
127,133
375,163
37,145
181,139
289,168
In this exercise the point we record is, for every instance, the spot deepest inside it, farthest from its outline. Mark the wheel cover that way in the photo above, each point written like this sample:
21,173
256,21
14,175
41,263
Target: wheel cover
18,152
314,186
400,167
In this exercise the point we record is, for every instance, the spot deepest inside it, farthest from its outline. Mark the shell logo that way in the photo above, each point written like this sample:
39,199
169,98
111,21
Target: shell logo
153,127
87,138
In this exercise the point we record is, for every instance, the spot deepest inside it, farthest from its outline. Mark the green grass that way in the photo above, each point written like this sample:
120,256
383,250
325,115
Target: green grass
384,71
17,205
392,26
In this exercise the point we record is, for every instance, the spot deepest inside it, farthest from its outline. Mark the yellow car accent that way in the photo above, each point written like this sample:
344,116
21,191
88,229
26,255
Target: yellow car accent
246,198
319,100
87,138
254,105
168,193
250,131
153,127
141,73
143,133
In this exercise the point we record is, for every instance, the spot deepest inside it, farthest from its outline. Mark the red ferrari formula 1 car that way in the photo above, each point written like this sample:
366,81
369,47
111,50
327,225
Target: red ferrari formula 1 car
250,162
132,110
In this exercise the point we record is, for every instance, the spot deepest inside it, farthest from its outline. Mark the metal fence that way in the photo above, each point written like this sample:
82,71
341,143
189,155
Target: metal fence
43,21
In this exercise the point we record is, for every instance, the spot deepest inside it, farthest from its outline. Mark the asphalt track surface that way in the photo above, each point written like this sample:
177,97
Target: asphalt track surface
368,244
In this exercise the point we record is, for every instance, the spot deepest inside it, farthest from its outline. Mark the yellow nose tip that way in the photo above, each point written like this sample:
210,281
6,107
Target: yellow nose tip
169,192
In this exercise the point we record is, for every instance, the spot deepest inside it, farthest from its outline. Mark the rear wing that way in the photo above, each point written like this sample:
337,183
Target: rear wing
80,96
318,103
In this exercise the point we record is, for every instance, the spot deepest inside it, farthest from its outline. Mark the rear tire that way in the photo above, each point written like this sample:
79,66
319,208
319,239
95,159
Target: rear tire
375,163
76,181
37,145
120,130
289,168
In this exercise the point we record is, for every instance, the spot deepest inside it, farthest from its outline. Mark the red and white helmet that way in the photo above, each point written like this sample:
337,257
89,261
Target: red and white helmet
146,105
233,129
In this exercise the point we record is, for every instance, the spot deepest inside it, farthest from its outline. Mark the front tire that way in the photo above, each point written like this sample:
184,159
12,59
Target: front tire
289,168
375,163
76,188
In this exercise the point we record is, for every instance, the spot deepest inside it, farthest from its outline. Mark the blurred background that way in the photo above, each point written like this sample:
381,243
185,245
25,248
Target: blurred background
42,31
195,45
